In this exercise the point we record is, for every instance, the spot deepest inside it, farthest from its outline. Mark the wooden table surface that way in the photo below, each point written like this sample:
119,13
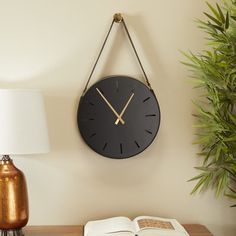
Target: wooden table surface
193,230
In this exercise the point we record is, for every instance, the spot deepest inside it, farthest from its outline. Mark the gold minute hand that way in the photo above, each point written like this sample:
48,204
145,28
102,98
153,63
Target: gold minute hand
124,109
111,107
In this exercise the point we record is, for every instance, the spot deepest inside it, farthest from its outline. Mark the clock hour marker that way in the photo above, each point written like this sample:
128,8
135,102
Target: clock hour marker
121,148
92,135
104,147
137,144
117,86
87,119
150,115
146,99
148,131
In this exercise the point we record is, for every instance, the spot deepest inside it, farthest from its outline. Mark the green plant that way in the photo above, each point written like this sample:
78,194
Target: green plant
214,71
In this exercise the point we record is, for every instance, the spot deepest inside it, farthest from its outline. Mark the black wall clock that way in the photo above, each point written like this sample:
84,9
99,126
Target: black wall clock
118,117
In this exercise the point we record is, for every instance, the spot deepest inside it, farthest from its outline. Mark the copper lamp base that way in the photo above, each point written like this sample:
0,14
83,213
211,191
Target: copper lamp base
11,232
14,211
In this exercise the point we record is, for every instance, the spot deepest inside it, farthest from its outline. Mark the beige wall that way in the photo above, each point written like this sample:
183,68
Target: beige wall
52,45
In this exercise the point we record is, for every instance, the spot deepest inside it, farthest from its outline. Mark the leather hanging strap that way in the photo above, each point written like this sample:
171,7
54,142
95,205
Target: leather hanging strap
118,19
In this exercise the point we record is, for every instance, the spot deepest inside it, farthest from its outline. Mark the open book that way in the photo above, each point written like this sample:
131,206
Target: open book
140,226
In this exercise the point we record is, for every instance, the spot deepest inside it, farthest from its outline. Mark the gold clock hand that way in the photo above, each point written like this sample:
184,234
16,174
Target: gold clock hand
124,109
111,107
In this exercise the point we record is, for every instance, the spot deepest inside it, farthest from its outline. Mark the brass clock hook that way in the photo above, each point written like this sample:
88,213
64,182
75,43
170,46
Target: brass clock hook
118,18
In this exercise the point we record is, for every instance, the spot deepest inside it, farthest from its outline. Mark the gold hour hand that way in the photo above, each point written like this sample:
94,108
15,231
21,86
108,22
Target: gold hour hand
111,107
124,109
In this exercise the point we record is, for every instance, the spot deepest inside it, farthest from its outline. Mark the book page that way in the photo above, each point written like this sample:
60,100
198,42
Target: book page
109,226
162,226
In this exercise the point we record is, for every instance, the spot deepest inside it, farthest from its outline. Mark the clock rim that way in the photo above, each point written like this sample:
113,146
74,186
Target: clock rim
158,125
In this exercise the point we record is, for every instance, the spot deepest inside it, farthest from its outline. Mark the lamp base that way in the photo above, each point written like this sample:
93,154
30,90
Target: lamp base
11,232
13,199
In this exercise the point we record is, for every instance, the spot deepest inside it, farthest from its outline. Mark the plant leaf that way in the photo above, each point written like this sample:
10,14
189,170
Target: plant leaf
234,18
213,19
227,21
214,11
221,13
198,185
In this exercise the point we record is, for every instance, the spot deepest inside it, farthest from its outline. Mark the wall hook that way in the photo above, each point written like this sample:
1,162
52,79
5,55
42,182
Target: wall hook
118,18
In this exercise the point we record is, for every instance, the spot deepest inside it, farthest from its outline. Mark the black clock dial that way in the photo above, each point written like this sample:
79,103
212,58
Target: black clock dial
118,117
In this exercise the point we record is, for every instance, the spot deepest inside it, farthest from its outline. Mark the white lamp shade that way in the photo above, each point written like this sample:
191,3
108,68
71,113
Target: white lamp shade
23,127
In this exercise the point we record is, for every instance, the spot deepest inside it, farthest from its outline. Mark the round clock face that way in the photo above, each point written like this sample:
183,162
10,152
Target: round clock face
118,117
